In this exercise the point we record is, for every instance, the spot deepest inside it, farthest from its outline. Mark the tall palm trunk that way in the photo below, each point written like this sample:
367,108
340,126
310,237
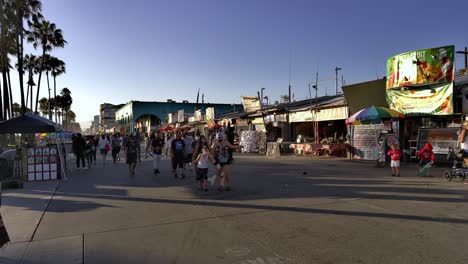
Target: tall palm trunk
39,81
6,97
1,103
19,52
31,91
55,97
48,88
11,95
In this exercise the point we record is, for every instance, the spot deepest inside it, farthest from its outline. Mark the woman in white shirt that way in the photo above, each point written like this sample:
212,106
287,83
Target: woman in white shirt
104,147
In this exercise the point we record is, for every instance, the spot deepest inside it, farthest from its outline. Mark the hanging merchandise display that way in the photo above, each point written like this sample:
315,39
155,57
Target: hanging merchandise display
248,139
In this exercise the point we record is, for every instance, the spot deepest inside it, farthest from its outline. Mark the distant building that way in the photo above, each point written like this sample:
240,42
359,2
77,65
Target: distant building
95,125
107,116
147,116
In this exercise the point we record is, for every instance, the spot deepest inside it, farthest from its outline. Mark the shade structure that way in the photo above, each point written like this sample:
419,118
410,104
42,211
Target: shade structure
167,128
29,123
373,115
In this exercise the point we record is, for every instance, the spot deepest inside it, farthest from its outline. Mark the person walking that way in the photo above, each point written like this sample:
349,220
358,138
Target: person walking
116,145
188,141
147,142
79,147
220,148
131,149
395,155
156,146
96,146
104,147
89,150
178,155
199,144
137,137
203,161
169,152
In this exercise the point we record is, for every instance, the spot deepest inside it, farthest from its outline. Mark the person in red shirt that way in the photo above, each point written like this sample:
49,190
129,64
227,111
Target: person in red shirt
427,156
395,155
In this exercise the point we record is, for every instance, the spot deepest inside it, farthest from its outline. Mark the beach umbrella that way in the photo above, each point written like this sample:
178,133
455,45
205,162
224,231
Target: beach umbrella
373,115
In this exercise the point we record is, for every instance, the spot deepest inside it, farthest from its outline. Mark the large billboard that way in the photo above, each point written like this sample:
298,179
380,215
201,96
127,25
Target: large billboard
420,67
438,100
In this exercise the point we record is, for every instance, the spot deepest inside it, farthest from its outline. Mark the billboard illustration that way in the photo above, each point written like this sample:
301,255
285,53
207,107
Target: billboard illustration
420,67
435,101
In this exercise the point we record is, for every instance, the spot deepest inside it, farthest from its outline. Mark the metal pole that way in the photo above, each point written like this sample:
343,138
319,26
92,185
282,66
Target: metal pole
336,80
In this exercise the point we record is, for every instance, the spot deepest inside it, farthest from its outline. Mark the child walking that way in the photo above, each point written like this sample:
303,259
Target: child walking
203,161
395,155
427,156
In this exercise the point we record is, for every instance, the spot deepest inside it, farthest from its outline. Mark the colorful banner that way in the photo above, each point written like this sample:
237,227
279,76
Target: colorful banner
435,101
420,67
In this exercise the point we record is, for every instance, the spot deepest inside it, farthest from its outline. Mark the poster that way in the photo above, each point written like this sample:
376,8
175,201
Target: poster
426,66
435,101
250,103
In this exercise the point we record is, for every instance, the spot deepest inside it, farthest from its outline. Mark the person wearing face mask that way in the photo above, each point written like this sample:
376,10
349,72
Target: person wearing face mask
197,150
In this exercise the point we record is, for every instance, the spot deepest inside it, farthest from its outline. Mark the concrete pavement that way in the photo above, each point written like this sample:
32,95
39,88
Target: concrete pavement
288,210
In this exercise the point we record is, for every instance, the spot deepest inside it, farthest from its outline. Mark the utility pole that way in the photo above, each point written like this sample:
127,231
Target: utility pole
336,79
465,53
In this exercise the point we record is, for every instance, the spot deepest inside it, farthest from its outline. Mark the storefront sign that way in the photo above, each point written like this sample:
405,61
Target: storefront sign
250,103
329,114
210,113
435,101
198,115
421,67
181,116
302,116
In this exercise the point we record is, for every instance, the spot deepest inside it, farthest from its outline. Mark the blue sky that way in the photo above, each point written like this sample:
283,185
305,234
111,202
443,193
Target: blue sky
154,50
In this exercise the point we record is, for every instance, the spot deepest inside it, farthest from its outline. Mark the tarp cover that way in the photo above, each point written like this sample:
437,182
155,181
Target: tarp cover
29,123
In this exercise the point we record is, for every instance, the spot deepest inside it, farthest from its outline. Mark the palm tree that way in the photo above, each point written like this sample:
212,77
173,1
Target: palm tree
65,102
48,36
58,68
44,106
31,62
23,9
46,62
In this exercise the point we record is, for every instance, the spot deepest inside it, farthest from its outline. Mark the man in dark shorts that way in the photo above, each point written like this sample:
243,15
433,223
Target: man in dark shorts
178,155
131,151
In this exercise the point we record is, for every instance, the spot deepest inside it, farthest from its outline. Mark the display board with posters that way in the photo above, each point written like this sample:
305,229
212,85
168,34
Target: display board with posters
438,100
43,164
365,141
420,67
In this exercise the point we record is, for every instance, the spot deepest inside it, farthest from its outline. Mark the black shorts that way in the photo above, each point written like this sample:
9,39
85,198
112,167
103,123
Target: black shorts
132,158
202,174
178,160
189,158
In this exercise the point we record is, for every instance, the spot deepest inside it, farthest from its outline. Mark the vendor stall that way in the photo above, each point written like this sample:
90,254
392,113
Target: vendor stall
40,160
